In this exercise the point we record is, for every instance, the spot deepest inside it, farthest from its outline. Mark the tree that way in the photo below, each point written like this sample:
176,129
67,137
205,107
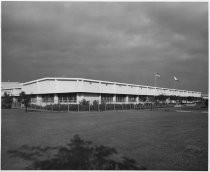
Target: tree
161,97
7,101
190,98
84,102
143,98
24,99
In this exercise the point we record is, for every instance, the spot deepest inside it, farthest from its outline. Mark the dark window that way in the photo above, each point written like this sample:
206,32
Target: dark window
131,98
33,99
120,98
67,98
48,98
106,98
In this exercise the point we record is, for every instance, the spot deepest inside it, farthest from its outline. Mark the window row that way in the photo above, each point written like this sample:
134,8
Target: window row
72,97
106,98
62,98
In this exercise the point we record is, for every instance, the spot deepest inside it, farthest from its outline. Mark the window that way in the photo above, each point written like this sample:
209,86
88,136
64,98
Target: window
131,98
106,98
67,98
33,99
48,98
120,98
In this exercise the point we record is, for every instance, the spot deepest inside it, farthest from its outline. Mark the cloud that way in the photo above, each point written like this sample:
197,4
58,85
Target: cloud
125,42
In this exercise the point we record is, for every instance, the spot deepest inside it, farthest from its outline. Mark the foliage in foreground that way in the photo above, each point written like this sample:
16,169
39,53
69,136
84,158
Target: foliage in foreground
77,155
6,101
24,99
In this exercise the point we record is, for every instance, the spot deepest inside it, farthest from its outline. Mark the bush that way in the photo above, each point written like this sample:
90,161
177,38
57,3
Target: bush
84,107
84,102
7,101
78,154
95,106
73,107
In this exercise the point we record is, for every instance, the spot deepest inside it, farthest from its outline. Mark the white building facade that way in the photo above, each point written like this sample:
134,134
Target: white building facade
74,90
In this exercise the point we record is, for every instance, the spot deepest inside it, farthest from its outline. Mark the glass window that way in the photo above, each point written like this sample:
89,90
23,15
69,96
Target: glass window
120,98
106,98
131,98
67,97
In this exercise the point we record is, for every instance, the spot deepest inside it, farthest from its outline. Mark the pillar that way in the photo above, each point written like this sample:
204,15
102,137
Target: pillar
80,97
38,99
126,99
114,98
137,99
55,98
99,101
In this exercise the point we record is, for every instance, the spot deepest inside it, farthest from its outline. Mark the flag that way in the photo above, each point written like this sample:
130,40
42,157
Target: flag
175,78
157,74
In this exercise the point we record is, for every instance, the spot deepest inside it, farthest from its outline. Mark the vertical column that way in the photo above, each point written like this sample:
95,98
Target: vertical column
126,99
137,99
14,99
77,98
80,97
114,98
99,101
55,98
38,100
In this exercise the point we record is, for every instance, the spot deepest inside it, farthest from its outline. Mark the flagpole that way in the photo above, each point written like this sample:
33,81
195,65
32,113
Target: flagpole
155,89
174,83
155,80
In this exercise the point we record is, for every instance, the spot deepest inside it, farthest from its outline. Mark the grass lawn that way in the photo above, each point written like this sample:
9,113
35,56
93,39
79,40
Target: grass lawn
158,140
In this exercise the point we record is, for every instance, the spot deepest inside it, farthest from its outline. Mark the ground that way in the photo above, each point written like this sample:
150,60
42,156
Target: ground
157,140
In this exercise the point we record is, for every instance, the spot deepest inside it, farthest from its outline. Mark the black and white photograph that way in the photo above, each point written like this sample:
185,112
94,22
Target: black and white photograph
104,85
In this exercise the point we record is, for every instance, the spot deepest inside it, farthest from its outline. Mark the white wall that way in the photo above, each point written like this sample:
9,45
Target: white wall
108,88
90,86
142,90
63,86
16,91
132,89
46,86
121,89
31,88
151,91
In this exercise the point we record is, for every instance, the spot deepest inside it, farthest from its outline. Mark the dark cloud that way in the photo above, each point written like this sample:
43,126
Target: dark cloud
125,42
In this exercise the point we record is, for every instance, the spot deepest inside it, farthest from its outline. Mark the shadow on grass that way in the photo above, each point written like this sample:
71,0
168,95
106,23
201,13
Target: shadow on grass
77,155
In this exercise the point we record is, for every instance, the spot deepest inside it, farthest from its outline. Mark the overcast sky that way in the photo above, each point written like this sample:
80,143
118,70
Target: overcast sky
124,42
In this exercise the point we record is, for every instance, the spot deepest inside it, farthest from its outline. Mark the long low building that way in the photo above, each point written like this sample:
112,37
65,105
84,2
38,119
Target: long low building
74,90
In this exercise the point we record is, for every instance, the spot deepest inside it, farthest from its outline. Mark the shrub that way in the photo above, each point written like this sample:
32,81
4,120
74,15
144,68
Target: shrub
76,155
95,106
73,107
7,101
84,102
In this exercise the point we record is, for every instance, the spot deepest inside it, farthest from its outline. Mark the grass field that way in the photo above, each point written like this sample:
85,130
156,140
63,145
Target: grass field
158,140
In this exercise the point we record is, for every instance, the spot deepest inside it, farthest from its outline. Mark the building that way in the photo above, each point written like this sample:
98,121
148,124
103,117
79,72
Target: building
11,88
74,90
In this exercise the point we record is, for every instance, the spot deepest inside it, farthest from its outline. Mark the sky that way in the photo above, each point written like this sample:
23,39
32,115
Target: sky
114,41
